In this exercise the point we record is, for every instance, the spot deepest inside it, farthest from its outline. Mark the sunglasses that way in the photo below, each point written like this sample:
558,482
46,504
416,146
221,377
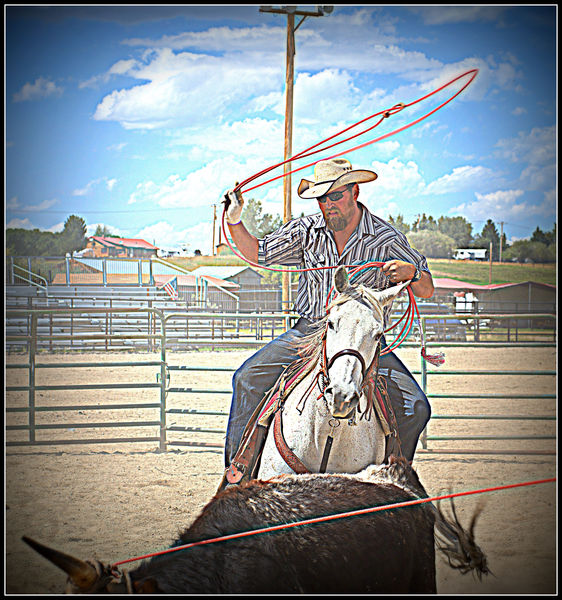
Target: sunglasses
334,196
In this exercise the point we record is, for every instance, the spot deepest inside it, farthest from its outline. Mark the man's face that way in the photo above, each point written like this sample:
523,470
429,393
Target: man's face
338,213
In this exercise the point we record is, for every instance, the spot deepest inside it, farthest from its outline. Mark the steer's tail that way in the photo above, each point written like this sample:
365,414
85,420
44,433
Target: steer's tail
458,544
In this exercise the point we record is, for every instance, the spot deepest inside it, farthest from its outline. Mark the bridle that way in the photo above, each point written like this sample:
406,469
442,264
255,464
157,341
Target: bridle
348,352
327,364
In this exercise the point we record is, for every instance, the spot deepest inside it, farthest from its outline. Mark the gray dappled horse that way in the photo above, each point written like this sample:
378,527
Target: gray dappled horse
334,401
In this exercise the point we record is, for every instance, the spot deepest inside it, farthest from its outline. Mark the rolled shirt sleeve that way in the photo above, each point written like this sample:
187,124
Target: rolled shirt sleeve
282,247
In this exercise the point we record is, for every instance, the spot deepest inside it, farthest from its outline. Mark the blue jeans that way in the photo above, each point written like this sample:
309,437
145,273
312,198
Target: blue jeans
258,375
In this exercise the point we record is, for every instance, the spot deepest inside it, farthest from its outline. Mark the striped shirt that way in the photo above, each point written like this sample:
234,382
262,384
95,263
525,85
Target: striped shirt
306,242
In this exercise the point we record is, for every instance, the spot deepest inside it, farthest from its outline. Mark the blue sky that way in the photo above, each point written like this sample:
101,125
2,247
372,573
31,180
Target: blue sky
140,117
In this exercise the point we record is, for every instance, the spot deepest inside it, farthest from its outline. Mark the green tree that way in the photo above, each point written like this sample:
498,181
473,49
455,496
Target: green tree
31,242
432,244
488,234
547,238
103,231
530,251
256,223
425,222
73,236
457,228
399,223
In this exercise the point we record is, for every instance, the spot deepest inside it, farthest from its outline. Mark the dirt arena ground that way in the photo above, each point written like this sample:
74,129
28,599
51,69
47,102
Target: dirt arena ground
117,501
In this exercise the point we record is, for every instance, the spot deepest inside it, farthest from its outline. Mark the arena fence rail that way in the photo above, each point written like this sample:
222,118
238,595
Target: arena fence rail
167,434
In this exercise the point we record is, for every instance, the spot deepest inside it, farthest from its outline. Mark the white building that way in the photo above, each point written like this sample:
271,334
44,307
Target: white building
470,254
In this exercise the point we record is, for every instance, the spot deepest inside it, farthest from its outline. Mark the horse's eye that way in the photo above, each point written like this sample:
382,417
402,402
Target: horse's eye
330,325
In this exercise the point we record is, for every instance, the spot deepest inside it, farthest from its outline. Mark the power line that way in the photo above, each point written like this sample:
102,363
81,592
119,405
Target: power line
86,212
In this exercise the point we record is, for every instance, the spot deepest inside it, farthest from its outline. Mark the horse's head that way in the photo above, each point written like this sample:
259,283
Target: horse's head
355,324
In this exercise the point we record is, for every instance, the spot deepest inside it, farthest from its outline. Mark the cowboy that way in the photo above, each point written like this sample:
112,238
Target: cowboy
345,232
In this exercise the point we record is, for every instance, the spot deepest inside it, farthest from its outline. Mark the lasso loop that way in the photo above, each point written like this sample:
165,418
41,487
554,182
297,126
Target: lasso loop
382,114
412,309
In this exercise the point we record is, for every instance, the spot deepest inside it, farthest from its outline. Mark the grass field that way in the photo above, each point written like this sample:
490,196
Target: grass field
479,272
471,271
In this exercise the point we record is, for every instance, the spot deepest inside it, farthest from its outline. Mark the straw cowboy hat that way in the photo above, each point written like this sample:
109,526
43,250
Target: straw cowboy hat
332,173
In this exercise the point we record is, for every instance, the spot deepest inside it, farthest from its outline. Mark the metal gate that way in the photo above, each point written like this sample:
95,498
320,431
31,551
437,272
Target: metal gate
168,434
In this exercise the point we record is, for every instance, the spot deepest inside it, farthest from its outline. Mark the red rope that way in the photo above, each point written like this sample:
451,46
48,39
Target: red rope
385,114
308,152
316,520
314,150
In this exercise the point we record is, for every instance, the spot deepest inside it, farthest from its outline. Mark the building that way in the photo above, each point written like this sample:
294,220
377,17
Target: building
105,247
525,297
254,296
470,254
243,276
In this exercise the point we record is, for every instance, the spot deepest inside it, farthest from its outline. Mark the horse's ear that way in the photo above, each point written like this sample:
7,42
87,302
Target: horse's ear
384,297
341,279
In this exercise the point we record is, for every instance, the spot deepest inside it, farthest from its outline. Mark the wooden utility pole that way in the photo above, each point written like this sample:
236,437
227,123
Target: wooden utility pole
490,275
501,240
214,227
291,12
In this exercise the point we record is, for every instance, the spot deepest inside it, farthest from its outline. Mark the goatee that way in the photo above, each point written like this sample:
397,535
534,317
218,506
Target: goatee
335,222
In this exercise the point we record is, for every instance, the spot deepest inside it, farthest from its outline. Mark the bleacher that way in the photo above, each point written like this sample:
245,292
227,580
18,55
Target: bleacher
90,322
96,324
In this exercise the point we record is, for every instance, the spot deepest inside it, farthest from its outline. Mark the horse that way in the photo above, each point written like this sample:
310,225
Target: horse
385,552
330,421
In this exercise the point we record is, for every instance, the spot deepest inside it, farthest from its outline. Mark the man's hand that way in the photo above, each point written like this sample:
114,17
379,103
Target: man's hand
398,270
233,203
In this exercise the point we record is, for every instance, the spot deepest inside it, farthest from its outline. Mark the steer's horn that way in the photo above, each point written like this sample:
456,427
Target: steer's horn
83,575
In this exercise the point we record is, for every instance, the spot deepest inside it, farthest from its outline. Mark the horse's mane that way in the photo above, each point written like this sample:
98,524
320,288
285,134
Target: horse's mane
310,345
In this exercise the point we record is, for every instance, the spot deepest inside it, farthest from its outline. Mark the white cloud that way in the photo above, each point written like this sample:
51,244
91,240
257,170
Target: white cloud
537,147
20,224
55,228
166,235
256,138
41,88
109,184
27,224
197,79
504,205
86,189
397,180
219,39
117,147
461,178
185,89
121,67
14,204
203,187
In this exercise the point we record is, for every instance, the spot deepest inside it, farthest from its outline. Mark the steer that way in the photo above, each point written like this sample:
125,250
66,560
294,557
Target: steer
387,552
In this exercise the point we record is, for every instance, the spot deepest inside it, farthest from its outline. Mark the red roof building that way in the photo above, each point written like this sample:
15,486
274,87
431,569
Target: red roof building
103,247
